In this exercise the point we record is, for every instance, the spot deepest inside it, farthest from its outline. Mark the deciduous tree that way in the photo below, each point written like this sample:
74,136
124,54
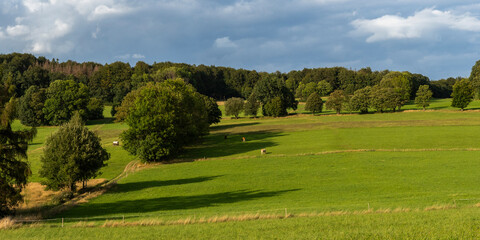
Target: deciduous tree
463,93
423,96
72,154
336,101
163,119
361,100
314,103
64,97
251,106
214,113
30,109
400,82
234,106
271,87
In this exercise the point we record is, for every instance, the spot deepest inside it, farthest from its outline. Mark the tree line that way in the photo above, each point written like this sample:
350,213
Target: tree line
110,83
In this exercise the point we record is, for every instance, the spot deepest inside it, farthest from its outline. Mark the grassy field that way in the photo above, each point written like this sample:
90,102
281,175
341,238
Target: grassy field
337,176
443,224
106,129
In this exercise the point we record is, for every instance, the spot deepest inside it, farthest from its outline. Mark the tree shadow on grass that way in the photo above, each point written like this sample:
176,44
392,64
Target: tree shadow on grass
228,126
136,186
172,203
101,121
215,145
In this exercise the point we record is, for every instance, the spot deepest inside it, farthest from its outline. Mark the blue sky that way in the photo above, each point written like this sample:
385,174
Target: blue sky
436,38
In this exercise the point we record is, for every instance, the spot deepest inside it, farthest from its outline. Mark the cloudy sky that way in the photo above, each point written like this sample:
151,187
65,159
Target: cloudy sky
436,38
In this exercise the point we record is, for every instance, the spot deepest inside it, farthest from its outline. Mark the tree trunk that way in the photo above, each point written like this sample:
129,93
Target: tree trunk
73,187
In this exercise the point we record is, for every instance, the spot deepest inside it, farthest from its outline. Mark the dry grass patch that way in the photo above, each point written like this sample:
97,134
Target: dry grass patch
439,207
8,223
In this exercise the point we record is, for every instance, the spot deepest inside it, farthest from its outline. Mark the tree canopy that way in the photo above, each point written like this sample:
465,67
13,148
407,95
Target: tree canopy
14,171
64,97
423,96
251,106
234,106
30,110
336,101
164,118
463,93
361,100
72,154
273,92
214,113
314,103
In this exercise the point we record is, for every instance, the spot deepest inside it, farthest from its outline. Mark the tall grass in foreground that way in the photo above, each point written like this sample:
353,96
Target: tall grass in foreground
443,224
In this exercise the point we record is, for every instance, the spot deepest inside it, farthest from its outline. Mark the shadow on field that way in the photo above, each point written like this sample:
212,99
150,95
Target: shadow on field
216,145
135,186
229,126
100,121
173,203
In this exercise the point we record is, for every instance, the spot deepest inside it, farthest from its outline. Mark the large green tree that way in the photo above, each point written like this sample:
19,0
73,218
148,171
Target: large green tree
234,106
14,171
164,118
314,103
214,113
336,101
463,93
95,109
324,88
401,83
251,106
423,96
64,97
475,78
72,154
382,99
121,111
30,109
270,88
361,100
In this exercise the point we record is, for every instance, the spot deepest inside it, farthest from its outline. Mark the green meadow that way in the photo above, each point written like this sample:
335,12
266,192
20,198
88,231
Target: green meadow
408,175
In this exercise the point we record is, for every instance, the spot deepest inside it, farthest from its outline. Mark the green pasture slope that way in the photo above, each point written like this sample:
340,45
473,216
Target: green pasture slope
405,175
105,128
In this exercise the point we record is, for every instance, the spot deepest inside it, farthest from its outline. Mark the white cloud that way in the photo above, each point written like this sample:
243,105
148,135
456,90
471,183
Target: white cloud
41,47
224,42
104,11
129,56
322,2
421,24
34,5
52,26
138,56
17,30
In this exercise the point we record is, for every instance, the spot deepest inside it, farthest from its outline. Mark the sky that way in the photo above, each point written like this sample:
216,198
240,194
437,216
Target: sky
438,39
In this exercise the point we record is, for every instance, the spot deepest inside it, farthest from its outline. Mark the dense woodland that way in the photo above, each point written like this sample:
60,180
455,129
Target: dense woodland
110,83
